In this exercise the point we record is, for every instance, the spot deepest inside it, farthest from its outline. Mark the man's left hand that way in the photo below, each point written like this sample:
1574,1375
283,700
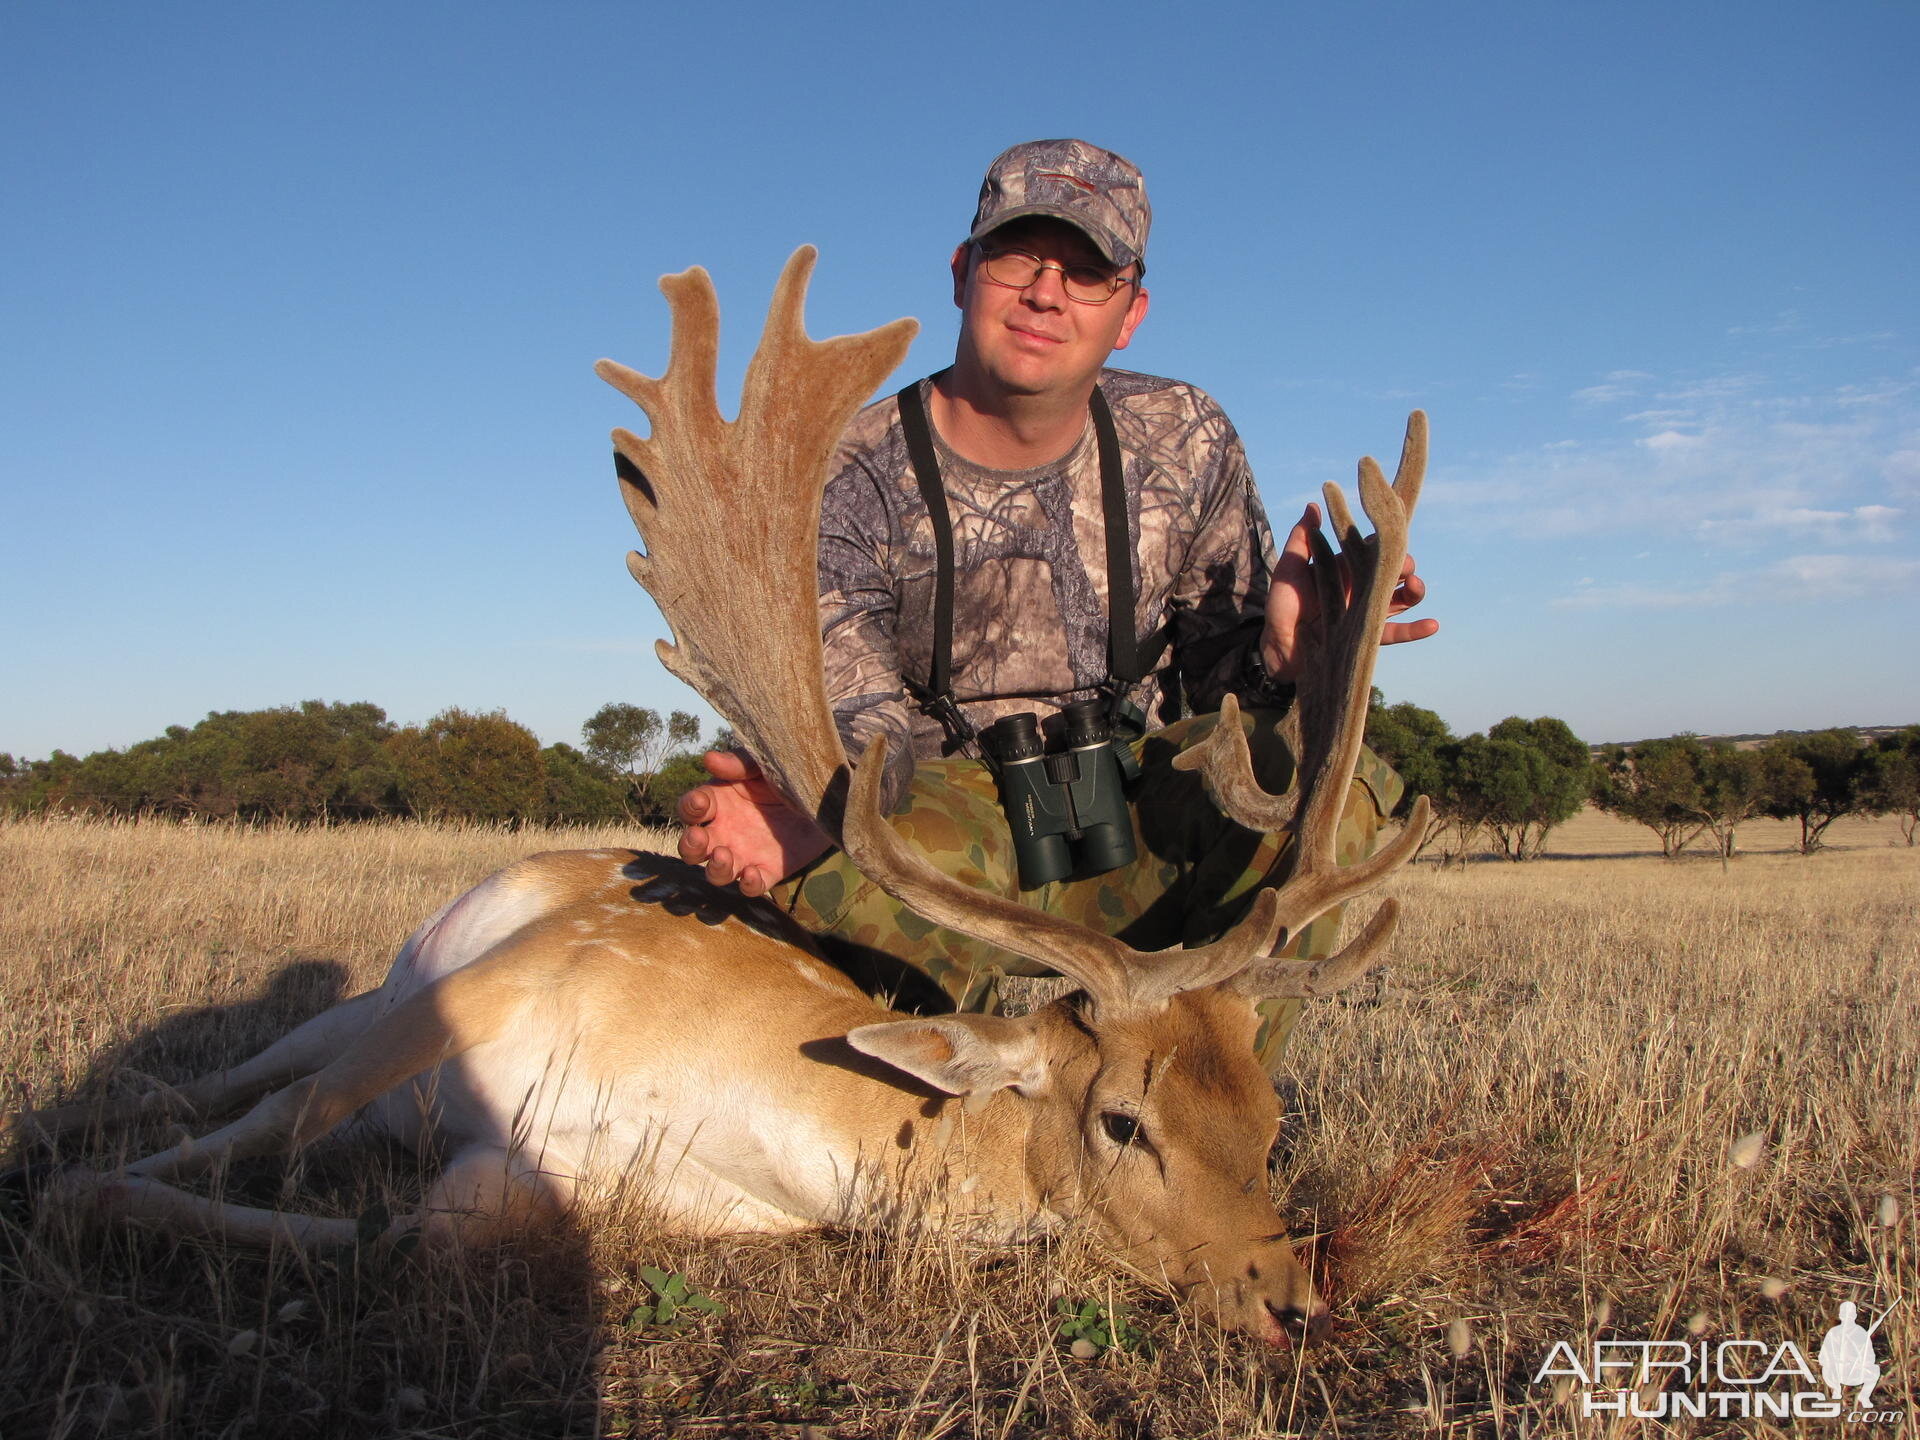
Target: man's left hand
1293,607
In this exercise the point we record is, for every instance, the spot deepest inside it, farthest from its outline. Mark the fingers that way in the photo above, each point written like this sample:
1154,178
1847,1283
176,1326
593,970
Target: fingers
1299,544
697,806
720,866
1410,592
733,765
695,841
1397,633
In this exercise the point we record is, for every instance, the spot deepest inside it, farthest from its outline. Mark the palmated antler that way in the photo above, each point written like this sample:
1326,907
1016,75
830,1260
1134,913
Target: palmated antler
1326,727
730,514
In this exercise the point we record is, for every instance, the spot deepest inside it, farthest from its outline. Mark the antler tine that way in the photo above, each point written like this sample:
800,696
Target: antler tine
1225,762
1339,517
1332,708
1325,574
685,394
1413,462
686,391
1312,979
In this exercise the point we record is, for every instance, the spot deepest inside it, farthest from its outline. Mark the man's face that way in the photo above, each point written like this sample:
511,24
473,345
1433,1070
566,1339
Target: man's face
1036,340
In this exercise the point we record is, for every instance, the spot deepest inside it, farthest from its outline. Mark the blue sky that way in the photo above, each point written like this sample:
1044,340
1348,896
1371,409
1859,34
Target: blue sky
299,304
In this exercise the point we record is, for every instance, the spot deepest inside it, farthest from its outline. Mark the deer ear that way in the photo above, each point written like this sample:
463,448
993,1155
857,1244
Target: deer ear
960,1054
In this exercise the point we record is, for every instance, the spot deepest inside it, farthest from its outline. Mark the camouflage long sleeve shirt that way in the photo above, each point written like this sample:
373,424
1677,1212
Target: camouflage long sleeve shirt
1030,613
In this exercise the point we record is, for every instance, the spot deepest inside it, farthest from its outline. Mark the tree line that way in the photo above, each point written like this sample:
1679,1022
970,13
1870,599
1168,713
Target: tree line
1513,784
347,762
1684,787
1510,786
1507,788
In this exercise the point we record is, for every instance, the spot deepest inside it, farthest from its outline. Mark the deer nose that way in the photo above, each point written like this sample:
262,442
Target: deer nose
1311,1326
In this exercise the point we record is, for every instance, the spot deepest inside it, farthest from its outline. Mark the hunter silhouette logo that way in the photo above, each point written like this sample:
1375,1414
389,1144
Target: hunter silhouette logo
1727,1379
1847,1358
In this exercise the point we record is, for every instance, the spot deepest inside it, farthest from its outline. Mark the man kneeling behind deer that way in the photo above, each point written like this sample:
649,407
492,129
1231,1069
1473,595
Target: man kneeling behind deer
518,1029
1049,283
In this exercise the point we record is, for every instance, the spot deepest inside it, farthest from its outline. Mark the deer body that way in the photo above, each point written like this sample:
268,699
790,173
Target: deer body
605,1059
553,1034
593,1055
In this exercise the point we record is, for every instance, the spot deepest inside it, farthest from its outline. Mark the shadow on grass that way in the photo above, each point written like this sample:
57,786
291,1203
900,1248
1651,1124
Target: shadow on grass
196,1041
114,1330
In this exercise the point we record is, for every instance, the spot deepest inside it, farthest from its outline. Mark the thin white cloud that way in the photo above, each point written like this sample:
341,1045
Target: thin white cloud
1670,440
1902,471
1863,524
1785,322
1712,387
1796,578
1847,577
1870,337
1733,464
1615,386
1876,394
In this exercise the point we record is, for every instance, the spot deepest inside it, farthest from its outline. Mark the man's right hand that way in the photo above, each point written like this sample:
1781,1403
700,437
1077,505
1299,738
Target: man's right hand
1293,603
740,828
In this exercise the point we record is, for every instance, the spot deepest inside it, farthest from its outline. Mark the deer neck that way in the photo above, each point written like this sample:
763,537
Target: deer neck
968,1157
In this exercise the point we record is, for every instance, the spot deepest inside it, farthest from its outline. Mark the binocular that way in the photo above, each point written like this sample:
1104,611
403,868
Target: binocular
1066,805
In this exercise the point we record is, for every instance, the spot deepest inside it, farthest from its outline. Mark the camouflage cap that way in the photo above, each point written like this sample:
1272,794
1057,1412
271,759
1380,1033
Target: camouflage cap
1094,190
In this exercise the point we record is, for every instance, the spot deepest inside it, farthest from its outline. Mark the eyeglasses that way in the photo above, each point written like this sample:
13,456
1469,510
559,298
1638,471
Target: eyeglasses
1016,269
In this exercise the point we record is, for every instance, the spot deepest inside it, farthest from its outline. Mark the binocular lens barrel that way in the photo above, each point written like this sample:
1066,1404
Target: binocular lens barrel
1013,738
1085,723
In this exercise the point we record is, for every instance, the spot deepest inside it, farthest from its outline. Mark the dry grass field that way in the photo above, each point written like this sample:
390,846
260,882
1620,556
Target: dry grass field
1534,1128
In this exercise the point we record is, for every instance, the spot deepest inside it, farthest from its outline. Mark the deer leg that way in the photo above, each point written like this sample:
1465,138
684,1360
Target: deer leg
156,1203
461,1010
485,1194
292,1057
288,1059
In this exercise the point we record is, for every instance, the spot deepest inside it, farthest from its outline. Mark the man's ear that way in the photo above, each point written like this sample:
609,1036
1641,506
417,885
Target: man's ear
1136,312
962,257
960,1054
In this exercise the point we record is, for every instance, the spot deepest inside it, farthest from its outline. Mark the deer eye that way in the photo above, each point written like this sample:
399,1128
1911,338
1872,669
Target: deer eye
1121,1129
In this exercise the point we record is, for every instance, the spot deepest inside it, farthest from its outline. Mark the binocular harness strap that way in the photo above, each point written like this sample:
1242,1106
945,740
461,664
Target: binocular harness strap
1124,660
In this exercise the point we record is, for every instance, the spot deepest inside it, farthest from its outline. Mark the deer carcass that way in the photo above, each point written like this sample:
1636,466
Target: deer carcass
584,1021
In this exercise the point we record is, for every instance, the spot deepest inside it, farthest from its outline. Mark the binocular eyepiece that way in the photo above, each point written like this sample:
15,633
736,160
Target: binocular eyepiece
1066,805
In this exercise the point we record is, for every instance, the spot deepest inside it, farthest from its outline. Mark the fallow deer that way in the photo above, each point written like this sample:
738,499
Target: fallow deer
583,1017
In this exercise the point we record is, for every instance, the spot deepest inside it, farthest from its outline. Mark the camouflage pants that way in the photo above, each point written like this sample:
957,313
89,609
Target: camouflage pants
1194,875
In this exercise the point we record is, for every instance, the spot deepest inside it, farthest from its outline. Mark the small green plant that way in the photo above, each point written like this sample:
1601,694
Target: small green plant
807,1392
1104,1327
674,1303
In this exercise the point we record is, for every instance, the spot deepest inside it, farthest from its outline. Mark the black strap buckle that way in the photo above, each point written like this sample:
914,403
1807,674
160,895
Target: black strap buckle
945,711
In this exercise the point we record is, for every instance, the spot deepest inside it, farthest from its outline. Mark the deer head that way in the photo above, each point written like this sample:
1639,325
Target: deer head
1139,1096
